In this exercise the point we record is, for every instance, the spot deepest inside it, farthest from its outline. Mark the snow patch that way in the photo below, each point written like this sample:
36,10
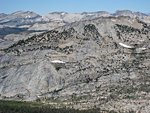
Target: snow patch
57,61
141,40
113,20
28,16
142,48
124,45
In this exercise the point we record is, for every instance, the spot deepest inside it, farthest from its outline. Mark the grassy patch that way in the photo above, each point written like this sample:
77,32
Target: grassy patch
35,107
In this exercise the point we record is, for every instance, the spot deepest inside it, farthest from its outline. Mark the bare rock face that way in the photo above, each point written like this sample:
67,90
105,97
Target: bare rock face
26,19
68,18
92,70
26,23
19,18
141,16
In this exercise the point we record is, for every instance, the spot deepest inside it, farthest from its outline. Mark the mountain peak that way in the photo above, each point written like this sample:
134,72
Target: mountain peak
123,12
58,13
18,12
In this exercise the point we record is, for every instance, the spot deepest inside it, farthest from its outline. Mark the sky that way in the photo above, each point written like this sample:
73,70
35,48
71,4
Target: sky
43,7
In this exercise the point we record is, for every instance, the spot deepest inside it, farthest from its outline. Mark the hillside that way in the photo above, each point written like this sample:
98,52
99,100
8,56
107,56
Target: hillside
23,24
100,63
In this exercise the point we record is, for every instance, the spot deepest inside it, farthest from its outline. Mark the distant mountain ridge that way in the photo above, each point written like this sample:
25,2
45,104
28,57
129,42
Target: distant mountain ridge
21,18
35,23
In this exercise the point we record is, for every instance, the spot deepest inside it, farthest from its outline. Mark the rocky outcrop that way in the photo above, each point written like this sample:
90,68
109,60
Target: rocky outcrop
68,18
27,18
22,24
20,18
96,72
141,16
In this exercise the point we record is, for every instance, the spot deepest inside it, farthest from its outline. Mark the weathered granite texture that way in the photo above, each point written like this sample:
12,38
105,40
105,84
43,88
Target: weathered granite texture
98,72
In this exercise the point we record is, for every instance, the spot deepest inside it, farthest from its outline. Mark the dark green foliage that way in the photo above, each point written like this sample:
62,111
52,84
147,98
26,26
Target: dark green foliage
91,30
4,77
90,27
32,107
116,45
47,40
127,29
144,24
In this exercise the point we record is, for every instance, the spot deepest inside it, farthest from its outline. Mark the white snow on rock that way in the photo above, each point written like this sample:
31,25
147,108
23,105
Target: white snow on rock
142,48
124,45
57,61
113,20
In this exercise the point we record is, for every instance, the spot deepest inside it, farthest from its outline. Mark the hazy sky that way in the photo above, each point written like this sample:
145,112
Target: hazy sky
73,6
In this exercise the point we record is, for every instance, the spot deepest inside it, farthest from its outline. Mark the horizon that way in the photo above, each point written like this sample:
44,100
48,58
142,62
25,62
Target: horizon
48,6
73,13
